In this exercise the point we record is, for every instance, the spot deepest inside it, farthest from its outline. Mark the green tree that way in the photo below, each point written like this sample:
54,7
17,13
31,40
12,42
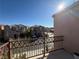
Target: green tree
22,35
28,33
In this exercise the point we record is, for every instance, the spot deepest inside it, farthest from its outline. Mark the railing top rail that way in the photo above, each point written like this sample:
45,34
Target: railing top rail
23,39
59,36
4,45
16,40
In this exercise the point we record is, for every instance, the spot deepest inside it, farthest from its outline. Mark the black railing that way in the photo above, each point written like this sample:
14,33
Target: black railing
4,51
58,42
23,49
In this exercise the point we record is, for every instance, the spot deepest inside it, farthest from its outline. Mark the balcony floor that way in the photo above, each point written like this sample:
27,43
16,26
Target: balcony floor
60,54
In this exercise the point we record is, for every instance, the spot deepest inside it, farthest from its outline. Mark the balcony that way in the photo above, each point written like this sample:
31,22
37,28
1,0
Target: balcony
60,52
43,49
19,49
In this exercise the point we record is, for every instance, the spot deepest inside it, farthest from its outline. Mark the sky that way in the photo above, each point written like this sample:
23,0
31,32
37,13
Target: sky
30,12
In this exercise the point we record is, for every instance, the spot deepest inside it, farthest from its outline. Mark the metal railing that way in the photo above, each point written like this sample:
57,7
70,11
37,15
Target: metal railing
4,51
23,49
58,42
18,49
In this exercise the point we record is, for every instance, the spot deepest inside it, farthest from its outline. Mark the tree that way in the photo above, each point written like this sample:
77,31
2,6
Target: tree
22,35
15,36
28,33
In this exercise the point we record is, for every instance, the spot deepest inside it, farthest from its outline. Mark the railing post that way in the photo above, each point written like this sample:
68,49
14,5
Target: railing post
44,47
9,54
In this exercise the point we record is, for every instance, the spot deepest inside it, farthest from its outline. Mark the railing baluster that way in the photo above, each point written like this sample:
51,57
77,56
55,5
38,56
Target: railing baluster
9,51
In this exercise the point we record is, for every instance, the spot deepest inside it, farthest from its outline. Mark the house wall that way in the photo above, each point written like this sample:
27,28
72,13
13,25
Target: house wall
67,24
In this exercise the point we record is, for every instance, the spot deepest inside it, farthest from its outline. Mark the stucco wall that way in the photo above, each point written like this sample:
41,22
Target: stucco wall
67,24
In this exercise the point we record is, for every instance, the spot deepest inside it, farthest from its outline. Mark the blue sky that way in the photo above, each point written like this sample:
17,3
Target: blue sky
29,12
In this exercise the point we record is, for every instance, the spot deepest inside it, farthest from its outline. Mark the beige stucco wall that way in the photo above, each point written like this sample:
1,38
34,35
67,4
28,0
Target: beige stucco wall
67,24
